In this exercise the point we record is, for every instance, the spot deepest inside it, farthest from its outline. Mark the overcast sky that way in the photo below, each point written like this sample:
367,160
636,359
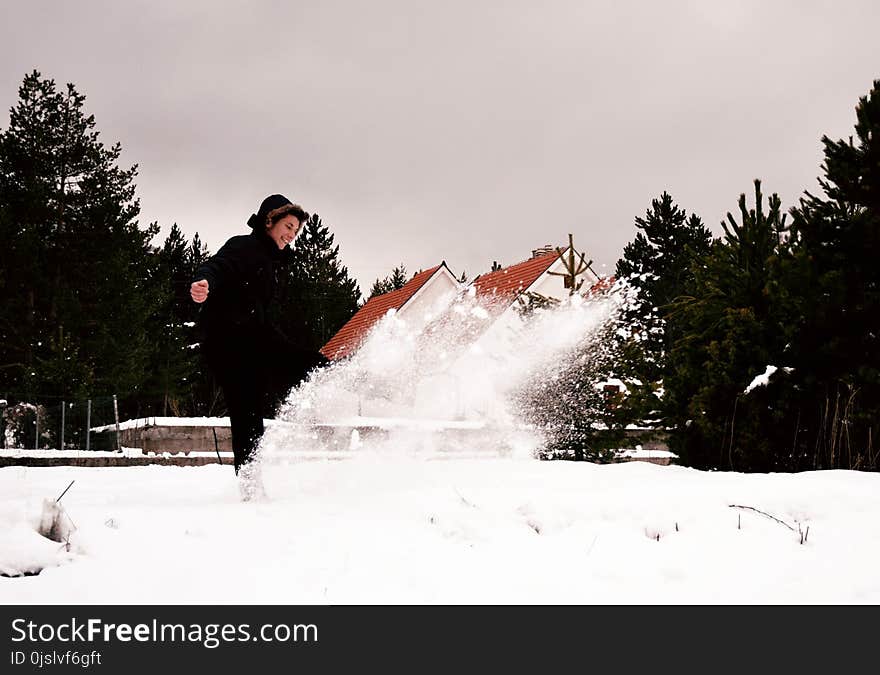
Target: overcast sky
460,131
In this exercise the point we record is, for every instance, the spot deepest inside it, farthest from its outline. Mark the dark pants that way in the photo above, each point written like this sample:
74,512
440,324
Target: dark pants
245,404
242,374
255,369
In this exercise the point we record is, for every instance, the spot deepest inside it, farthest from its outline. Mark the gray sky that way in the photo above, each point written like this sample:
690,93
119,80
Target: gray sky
466,131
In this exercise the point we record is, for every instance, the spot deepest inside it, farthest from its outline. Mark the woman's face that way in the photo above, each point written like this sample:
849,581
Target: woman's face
284,231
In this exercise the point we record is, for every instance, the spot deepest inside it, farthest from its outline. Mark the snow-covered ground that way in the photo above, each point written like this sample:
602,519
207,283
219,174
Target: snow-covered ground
431,511
397,529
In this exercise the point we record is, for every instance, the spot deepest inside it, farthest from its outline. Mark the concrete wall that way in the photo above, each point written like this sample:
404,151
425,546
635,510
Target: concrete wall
174,460
177,439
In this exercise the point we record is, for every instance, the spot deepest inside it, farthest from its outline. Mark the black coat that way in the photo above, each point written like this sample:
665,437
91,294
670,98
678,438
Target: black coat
235,320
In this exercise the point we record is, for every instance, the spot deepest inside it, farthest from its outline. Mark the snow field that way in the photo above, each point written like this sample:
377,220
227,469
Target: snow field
401,530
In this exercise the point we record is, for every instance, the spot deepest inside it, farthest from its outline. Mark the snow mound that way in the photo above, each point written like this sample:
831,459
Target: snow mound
28,546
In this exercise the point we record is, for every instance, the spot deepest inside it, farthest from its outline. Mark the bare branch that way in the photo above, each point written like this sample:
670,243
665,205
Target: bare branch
763,513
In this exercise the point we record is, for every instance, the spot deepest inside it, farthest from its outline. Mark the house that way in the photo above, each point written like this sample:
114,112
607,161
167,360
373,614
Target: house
430,361
429,291
499,295
426,292
539,274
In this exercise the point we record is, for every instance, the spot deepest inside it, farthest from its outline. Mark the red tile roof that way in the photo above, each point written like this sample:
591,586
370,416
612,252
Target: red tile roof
508,283
495,292
603,285
353,333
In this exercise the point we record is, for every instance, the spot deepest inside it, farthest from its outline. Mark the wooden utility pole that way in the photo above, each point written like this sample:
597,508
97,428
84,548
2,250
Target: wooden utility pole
575,265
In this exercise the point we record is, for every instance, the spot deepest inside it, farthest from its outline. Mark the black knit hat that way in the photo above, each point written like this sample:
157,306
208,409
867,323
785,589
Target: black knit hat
275,205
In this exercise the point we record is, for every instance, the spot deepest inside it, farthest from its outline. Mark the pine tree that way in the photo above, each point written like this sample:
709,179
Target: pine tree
204,391
730,330
197,253
657,263
803,299
837,308
398,277
175,367
393,282
81,269
380,287
317,285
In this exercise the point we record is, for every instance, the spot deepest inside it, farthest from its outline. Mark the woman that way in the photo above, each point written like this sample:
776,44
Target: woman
250,356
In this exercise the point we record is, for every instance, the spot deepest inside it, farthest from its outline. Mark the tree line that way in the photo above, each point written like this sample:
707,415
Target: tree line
91,307
759,350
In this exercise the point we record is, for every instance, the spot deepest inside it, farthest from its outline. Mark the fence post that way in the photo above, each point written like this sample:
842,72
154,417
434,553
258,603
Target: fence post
62,425
116,415
3,405
88,424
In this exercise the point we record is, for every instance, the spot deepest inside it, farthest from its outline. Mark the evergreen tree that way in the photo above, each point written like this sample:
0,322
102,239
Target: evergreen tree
80,270
398,277
380,287
836,355
317,285
205,392
730,331
175,367
196,254
393,282
657,264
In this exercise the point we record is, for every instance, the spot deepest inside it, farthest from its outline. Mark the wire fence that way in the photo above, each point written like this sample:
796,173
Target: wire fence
61,425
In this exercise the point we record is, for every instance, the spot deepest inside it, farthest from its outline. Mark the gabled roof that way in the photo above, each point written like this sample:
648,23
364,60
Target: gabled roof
353,333
509,282
495,293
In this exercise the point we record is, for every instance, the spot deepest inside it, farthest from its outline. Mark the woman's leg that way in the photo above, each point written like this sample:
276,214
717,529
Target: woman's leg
244,401
240,378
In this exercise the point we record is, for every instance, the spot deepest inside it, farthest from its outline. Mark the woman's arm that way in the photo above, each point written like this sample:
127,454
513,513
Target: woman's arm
231,262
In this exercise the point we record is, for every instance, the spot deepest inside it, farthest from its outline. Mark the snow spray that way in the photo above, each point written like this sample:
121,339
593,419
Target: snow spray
440,385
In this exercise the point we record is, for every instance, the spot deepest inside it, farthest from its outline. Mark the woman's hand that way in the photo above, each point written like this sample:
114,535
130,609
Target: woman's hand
199,290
